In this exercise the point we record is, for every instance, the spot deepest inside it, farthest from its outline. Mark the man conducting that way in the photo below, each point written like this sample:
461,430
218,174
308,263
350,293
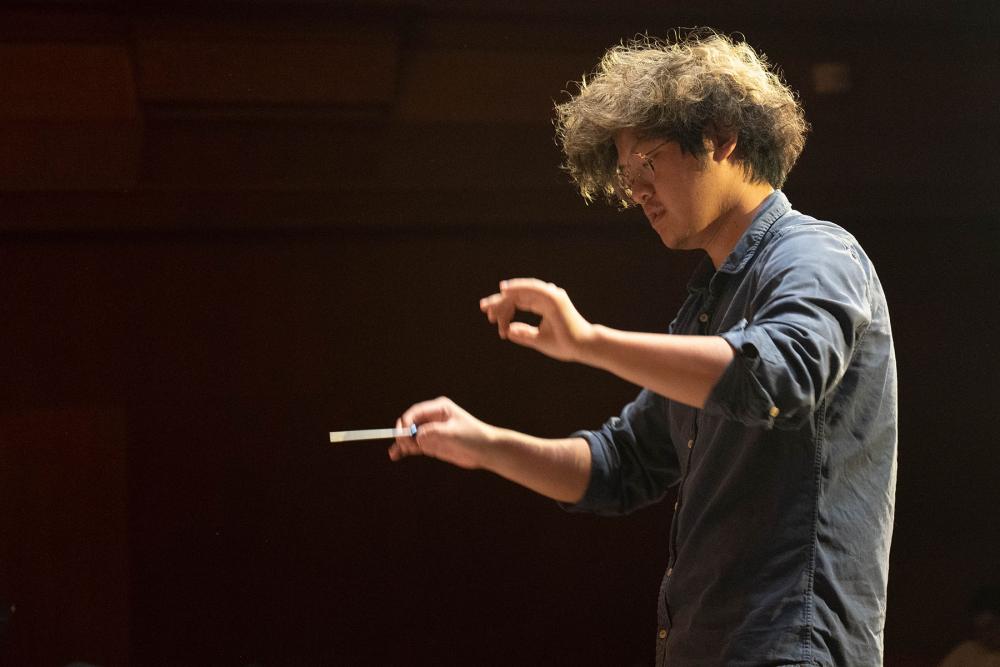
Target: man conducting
771,402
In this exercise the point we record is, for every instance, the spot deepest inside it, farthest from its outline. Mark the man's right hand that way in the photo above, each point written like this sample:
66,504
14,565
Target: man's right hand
445,431
559,469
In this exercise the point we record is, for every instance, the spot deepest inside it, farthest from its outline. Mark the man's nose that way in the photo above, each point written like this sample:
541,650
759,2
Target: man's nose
641,191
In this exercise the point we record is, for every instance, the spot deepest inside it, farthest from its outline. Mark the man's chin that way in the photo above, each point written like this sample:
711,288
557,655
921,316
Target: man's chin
673,242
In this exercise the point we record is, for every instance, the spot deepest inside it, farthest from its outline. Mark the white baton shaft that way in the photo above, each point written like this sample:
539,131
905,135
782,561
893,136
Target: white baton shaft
372,434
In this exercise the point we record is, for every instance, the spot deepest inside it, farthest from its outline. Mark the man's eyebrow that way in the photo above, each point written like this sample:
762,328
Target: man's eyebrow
630,152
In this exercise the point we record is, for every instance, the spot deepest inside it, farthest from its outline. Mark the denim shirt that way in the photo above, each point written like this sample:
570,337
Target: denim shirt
779,544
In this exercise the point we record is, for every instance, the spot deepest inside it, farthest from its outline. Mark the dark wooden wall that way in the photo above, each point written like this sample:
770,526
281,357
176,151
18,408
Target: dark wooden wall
230,228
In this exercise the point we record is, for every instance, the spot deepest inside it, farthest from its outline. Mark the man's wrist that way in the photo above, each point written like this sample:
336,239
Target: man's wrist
489,447
589,346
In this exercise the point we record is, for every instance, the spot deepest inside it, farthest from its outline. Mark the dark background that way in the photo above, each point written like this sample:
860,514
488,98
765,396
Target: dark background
230,228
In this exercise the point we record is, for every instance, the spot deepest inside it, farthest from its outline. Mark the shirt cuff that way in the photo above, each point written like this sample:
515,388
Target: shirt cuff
595,499
739,394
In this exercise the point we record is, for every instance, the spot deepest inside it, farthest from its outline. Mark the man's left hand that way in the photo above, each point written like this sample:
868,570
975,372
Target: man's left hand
562,333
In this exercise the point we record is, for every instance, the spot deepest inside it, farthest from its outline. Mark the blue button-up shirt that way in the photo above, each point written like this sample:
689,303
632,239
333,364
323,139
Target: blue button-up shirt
779,545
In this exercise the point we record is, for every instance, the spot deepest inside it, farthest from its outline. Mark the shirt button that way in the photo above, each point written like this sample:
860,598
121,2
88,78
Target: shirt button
676,505
774,411
670,571
662,634
690,444
703,318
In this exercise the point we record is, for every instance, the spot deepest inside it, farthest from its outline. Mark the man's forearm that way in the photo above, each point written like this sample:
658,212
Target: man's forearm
682,368
558,469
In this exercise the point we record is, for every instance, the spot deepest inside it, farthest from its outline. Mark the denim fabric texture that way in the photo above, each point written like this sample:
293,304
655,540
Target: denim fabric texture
779,544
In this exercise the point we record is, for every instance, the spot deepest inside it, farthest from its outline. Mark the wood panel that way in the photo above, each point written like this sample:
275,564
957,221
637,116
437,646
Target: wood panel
69,118
69,156
339,65
378,211
65,549
471,85
56,81
288,155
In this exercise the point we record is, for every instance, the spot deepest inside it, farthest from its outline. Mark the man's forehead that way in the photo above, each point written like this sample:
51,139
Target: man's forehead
626,139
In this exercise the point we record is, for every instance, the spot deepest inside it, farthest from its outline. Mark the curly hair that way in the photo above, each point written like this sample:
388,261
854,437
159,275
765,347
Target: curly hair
680,89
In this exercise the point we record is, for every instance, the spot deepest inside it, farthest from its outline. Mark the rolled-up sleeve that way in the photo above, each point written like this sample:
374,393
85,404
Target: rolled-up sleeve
633,461
810,309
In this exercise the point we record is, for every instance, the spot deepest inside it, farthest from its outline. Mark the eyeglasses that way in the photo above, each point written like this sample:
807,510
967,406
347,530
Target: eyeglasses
626,176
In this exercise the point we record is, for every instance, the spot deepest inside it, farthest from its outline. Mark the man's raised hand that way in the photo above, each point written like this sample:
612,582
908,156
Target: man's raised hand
562,333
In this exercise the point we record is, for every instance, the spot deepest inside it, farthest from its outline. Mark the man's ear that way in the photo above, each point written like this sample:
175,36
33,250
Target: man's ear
721,144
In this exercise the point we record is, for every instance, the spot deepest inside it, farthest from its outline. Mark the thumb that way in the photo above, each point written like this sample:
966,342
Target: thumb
523,334
429,438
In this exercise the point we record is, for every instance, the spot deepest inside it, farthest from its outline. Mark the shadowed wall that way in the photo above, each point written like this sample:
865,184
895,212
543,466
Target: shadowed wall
225,233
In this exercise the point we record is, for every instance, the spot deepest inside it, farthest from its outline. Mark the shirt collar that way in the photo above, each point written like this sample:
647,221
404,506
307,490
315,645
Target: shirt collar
773,207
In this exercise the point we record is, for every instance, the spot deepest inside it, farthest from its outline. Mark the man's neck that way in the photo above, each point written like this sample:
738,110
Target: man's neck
734,222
